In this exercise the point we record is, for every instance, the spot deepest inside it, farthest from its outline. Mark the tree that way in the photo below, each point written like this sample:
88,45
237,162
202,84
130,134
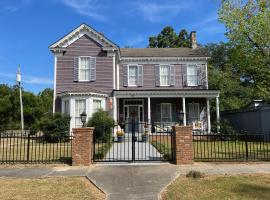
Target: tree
45,99
167,38
248,30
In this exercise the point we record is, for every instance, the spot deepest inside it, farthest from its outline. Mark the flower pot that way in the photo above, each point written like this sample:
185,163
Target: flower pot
120,138
145,138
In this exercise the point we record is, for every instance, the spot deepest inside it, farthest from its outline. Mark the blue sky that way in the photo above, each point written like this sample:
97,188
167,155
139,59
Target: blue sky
28,27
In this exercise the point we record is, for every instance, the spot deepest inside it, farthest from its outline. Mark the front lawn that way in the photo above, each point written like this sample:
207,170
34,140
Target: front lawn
220,187
60,188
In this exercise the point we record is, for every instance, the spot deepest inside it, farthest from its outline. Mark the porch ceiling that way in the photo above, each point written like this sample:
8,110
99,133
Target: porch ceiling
166,93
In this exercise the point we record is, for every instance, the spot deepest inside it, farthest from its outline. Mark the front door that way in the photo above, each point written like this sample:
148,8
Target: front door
133,115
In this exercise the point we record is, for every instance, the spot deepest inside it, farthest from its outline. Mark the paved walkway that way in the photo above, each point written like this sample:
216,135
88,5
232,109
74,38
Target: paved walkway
123,151
134,181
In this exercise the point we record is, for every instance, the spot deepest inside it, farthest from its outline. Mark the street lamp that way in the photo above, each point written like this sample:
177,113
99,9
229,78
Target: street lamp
83,118
181,117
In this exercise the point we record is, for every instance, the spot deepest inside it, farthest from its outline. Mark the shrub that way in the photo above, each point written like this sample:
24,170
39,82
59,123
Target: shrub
55,127
224,125
103,124
195,174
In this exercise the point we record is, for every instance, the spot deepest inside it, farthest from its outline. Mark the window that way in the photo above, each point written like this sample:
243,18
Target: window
96,105
166,112
80,107
194,112
164,75
66,107
132,75
84,68
192,78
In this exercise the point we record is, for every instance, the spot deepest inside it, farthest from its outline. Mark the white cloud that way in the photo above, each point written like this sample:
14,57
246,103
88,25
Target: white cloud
135,41
154,12
27,79
85,7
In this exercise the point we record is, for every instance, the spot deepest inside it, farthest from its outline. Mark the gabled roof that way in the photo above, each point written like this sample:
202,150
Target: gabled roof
163,52
84,29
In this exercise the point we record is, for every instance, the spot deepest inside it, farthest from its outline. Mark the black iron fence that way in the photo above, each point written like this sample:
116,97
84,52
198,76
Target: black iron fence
22,147
133,141
241,146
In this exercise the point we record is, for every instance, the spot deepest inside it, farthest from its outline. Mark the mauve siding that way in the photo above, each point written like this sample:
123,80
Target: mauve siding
149,79
104,67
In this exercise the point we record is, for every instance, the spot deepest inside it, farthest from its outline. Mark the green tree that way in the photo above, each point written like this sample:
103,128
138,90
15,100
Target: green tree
167,38
248,30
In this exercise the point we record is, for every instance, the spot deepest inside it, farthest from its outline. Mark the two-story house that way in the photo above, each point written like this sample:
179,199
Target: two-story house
151,84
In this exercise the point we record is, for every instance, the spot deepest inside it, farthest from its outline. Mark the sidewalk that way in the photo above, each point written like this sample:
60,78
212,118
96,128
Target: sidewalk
134,181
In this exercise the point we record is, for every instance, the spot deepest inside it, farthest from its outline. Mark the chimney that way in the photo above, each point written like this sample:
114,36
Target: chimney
193,40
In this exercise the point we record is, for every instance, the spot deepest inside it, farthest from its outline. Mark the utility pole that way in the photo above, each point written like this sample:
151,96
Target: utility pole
19,80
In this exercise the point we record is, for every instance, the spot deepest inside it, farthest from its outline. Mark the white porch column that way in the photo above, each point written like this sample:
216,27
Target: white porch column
184,111
115,109
54,83
218,113
149,114
208,115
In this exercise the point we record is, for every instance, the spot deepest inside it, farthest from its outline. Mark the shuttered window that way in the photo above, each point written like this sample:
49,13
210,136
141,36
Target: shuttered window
132,75
87,68
192,76
164,75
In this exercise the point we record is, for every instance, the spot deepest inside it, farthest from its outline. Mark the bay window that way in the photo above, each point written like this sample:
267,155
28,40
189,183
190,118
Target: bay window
80,107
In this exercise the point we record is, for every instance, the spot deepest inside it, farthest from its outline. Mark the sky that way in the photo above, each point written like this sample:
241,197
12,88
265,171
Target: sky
29,27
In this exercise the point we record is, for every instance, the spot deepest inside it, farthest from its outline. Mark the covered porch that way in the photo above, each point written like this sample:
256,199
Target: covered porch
162,107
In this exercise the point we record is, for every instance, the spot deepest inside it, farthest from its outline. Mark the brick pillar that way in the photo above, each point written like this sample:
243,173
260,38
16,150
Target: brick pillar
82,146
183,144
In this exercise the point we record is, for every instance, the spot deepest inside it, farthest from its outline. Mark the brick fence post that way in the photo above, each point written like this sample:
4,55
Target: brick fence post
82,146
183,145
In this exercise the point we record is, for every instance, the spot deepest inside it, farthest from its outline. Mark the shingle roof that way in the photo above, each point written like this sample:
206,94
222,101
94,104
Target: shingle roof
163,52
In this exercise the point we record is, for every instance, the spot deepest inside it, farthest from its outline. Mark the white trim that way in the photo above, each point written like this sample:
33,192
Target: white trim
206,72
82,30
139,105
114,72
115,109
208,116
218,114
117,76
82,94
166,93
155,60
54,85
184,111
149,114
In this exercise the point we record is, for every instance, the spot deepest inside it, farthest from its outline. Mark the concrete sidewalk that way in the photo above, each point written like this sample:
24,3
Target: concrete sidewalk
134,181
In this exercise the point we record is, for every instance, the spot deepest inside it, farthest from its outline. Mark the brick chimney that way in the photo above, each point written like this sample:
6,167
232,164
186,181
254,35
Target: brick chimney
193,40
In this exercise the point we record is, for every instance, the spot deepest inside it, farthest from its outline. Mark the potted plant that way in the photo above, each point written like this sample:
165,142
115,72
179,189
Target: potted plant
145,136
120,135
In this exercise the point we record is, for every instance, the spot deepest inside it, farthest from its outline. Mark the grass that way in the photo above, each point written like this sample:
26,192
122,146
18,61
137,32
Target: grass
16,150
163,148
221,150
72,188
240,187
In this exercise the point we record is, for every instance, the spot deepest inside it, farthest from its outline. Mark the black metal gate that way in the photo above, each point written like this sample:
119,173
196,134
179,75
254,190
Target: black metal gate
130,142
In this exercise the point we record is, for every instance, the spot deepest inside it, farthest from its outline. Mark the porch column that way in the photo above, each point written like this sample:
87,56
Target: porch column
218,113
208,115
184,111
115,109
149,114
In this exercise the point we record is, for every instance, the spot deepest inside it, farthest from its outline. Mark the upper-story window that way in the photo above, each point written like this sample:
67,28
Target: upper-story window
85,68
164,75
192,76
132,75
